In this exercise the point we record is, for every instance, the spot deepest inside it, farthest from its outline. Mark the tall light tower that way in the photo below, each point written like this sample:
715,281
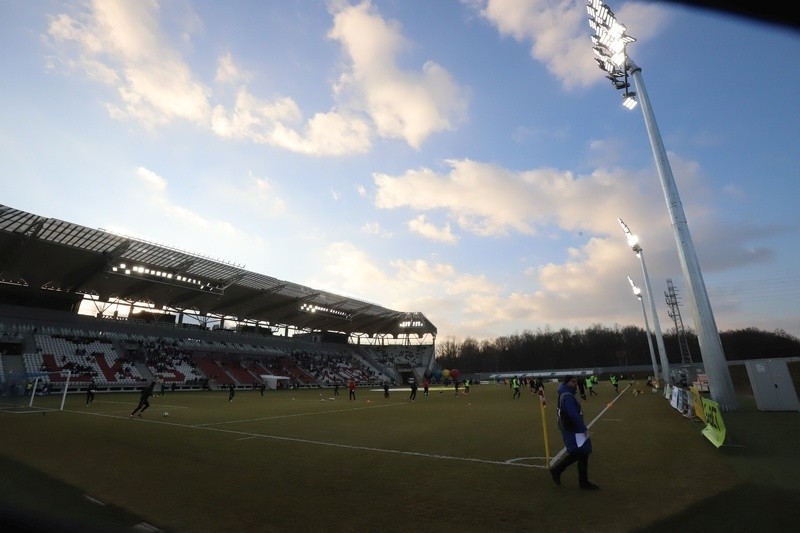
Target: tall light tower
638,293
633,242
610,42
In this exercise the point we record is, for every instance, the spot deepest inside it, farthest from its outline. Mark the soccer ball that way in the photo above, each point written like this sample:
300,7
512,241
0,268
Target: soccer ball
166,413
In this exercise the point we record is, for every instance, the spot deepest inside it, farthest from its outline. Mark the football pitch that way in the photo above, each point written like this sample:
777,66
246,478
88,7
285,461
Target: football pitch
308,461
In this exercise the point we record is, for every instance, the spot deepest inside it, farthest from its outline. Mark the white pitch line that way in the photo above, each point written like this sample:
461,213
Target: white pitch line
250,435
590,424
277,417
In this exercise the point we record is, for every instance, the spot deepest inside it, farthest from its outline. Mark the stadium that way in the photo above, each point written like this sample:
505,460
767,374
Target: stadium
216,451
139,294
148,388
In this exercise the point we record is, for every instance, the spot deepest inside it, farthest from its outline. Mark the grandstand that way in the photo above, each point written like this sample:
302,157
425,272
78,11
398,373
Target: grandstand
119,312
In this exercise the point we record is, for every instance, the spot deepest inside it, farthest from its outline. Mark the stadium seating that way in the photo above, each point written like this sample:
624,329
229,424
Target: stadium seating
122,355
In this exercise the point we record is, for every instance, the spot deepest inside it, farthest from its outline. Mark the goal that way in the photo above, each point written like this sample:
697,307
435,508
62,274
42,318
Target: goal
33,392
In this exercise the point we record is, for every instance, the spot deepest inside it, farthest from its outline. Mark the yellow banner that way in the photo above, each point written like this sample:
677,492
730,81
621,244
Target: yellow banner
697,403
715,427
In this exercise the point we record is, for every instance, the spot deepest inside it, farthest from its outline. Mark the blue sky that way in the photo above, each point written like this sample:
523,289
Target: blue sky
463,159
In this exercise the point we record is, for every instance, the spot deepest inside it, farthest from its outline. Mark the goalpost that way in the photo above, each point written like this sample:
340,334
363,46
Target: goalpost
33,392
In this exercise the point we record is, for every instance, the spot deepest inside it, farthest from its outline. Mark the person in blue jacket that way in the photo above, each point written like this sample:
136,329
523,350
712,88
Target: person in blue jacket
575,435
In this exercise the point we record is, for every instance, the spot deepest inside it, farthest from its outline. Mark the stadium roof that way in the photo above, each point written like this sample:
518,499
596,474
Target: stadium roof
45,254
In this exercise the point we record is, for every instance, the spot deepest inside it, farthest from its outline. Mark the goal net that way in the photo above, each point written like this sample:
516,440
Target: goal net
33,392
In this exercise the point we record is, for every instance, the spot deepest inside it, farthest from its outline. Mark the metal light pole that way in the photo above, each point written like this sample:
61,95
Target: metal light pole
638,293
610,41
633,242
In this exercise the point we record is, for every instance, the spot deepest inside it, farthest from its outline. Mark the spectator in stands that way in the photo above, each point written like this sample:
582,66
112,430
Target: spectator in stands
90,393
231,392
143,399
351,386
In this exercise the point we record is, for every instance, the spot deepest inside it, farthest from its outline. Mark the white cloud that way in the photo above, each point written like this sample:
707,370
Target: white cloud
489,200
421,226
375,228
150,213
230,73
559,34
273,123
121,44
151,178
402,104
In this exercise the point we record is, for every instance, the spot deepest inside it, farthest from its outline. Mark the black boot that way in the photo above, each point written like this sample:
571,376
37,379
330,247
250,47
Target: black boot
583,473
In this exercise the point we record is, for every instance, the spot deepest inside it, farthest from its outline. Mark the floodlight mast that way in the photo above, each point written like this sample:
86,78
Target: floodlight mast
638,293
633,242
609,39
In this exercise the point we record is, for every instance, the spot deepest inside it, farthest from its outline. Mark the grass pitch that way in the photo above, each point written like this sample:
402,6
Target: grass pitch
302,460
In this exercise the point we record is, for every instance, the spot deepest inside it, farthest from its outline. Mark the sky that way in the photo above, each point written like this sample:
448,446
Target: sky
464,159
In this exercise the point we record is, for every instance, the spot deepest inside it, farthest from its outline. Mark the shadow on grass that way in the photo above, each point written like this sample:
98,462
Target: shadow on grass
748,507
59,506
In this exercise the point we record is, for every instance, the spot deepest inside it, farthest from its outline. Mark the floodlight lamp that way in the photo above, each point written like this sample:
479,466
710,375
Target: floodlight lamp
636,290
629,100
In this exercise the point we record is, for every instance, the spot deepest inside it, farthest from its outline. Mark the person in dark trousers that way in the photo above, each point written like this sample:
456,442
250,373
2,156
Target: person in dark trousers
143,399
426,383
385,389
615,382
590,385
336,388
163,389
262,387
413,384
90,392
515,386
231,392
582,388
574,433
351,386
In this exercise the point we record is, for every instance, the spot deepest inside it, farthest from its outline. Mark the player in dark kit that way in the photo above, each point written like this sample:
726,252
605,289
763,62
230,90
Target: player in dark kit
90,392
143,403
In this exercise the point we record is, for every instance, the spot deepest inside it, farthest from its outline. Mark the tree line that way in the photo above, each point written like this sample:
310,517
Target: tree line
599,346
